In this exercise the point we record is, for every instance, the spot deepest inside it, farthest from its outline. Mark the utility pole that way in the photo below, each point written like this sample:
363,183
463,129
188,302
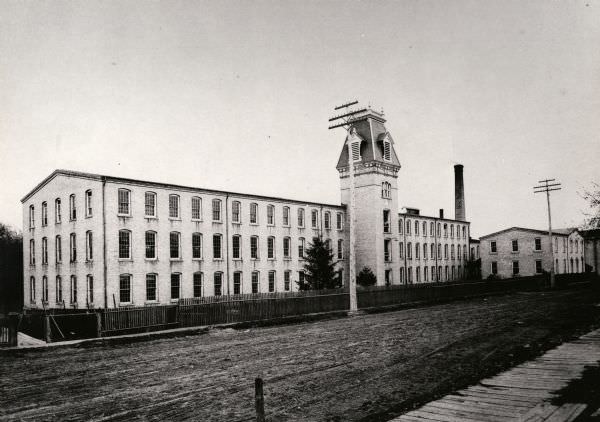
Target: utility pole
347,119
547,186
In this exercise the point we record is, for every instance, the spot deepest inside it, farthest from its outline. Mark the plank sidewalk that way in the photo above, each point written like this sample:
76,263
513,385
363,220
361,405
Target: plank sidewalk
523,393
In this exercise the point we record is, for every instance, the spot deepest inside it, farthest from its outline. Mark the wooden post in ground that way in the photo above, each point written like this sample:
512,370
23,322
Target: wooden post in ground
12,330
47,329
259,400
98,325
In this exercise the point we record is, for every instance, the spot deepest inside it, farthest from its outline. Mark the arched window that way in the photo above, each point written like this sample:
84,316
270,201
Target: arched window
31,216
253,213
218,283
216,210
253,247
89,246
424,250
173,206
425,274
401,249
197,246
451,230
89,290
386,190
301,248
314,219
44,214
408,226
150,204
236,246
198,283
327,218
45,289
150,240
416,228
175,245
387,154
417,251
88,203
32,289
301,218
424,228
287,247
44,251
432,251
151,286
197,209
175,286
73,247
73,289
58,296
270,215
272,281
125,296
409,250
57,211
255,282
124,244
217,246
237,282
72,208
286,216
58,249
124,202
270,247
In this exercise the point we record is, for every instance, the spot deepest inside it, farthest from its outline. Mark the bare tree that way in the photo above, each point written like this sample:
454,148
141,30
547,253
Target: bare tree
592,196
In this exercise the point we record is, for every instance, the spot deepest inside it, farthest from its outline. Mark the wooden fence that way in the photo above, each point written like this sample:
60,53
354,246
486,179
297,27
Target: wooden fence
120,320
257,307
8,331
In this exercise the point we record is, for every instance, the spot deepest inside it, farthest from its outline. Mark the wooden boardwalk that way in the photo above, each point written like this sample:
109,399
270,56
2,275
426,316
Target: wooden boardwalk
523,393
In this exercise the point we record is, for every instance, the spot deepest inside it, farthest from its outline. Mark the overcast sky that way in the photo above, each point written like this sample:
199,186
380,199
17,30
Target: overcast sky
236,96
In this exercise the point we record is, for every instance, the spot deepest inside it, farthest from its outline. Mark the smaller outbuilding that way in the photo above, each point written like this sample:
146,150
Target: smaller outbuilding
519,251
592,250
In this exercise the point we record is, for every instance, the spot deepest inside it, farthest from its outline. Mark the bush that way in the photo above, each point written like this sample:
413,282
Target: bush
366,278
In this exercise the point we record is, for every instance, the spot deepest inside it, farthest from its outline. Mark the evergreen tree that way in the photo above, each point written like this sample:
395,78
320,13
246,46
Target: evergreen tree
366,277
319,267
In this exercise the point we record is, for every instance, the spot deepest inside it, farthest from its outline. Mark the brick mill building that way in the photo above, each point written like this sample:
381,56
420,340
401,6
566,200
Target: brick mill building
518,251
100,241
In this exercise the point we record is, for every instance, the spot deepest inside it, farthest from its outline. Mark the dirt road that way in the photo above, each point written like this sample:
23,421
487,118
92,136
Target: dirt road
369,367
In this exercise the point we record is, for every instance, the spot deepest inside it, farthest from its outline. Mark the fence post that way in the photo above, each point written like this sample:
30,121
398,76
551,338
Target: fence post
47,329
12,330
98,325
259,400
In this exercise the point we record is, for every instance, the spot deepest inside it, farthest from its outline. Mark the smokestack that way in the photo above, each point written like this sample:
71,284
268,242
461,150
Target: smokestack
459,193
441,213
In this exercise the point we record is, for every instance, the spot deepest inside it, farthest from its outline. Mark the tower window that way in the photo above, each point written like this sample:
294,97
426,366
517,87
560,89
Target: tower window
386,190
355,151
386,150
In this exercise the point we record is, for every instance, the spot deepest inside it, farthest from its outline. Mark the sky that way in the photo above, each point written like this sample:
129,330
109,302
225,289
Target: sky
236,96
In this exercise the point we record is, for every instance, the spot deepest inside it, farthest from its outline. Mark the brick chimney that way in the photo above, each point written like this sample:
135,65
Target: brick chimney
459,193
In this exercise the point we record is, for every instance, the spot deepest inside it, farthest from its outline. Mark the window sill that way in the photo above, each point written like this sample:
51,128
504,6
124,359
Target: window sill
125,304
254,259
537,251
287,258
237,223
197,259
254,224
217,221
197,220
217,259
175,259
271,259
151,302
174,219
150,217
124,215
89,216
125,260
237,259
151,259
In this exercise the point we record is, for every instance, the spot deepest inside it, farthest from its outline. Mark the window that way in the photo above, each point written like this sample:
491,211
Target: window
538,266
327,220
439,230
493,248
254,247
237,282
400,226
340,249
417,251
416,228
432,233
124,244
270,215
89,246
355,147
173,206
445,251
425,274
409,250
44,289
88,203
339,221
407,226
453,273
58,249
271,281
424,250
44,251
236,242
386,150
150,204
217,252
59,297
515,268
31,217
287,247
314,219
387,227
197,208
452,230
386,190
286,216
175,286
151,288
216,210
445,230
433,276
150,245
89,297
301,218
564,245
124,289
44,214
432,250
73,289
409,275
218,284
515,245
401,274
387,250
301,248
538,244
198,281
458,252
57,211
418,274
328,246
32,289
236,212
447,273
124,202
439,251
73,247
424,228
271,247
301,278
197,245
401,249
253,213
286,280
452,252
255,282
175,245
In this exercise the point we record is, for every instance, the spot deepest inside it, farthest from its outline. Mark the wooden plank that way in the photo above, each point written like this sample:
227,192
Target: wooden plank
489,401
471,408
538,413
441,417
567,412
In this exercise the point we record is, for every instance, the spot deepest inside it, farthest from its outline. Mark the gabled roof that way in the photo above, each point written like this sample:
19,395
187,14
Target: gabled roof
560,232
82,175
370,128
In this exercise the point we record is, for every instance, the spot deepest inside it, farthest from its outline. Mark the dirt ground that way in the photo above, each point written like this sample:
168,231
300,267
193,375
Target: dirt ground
364,368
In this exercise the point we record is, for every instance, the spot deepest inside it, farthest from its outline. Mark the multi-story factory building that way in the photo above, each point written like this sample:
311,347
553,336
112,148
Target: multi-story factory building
100,241
518,251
